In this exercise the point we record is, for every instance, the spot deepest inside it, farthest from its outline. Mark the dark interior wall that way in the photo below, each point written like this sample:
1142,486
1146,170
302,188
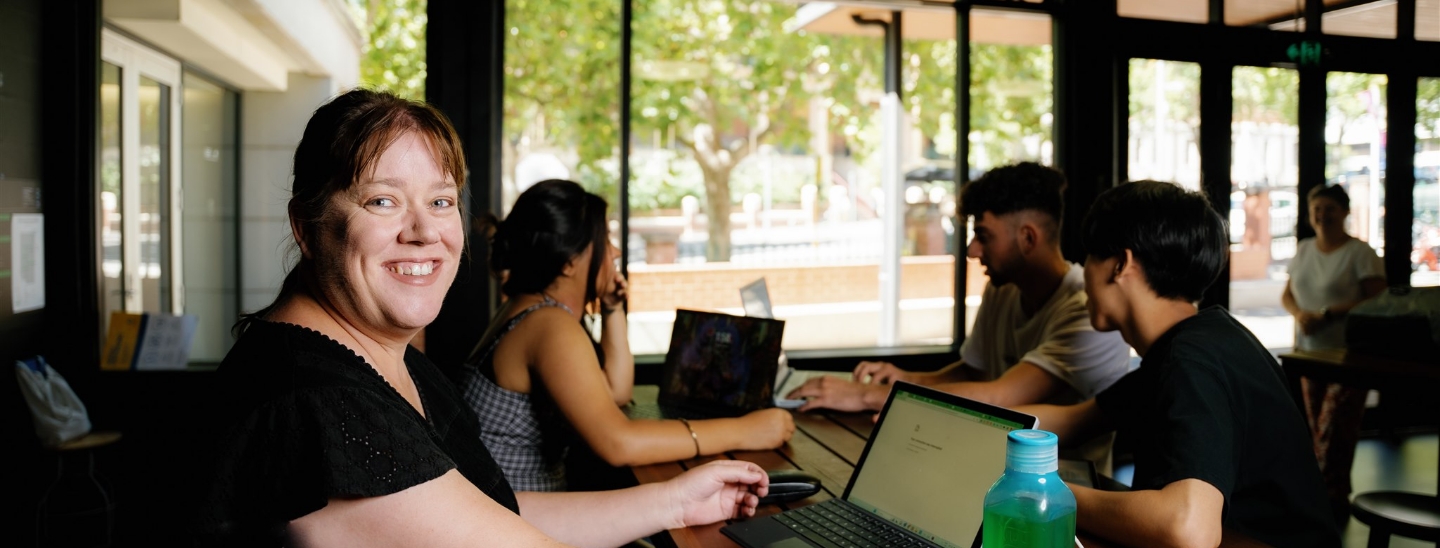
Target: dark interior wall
20,65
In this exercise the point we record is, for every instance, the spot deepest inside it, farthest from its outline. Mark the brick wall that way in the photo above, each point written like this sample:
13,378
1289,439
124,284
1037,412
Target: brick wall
717,285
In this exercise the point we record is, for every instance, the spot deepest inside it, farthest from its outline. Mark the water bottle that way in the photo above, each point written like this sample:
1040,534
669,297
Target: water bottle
1030,506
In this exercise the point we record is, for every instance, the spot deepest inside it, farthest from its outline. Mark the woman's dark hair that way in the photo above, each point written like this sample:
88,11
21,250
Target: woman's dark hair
1178,240
551,222
342,143
1333,192
1019,187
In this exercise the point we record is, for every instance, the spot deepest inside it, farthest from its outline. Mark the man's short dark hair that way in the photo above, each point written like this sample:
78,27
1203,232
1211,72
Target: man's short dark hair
1177,238
1019,187
1333,192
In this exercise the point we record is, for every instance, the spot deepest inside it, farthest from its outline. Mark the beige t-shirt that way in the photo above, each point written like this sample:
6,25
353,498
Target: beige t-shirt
1058,339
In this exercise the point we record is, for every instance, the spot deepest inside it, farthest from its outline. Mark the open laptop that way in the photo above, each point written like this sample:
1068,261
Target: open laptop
921,480
718,365
755,297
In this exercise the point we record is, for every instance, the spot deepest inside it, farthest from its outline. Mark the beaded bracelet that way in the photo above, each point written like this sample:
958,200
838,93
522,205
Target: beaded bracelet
693,437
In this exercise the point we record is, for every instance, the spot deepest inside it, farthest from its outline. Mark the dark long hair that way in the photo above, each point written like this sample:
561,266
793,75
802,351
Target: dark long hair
551,223
342,142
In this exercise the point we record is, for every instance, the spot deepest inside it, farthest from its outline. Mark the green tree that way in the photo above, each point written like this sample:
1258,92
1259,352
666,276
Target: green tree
394,58
731,75
562,83
1427,108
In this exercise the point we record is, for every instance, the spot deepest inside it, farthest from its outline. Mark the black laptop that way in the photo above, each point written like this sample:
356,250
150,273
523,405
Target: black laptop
920,482
718,365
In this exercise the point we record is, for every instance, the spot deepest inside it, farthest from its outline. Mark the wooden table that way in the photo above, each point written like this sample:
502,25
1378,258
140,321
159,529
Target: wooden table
826,445
1357,370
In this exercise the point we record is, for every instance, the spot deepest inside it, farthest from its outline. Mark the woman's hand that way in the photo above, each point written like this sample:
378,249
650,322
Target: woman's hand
767,428
880,373
717,490
615,298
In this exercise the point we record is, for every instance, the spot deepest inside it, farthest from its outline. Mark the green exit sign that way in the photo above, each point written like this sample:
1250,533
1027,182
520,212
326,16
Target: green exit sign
1305,53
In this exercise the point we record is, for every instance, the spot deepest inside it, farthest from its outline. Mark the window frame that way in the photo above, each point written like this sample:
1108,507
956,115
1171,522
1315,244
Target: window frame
135,60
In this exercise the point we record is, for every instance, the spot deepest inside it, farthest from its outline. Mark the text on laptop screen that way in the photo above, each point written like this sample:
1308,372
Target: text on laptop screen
929,467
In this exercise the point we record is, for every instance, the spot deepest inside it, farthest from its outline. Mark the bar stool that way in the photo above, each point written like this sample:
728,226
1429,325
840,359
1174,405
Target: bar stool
1388,513
77,508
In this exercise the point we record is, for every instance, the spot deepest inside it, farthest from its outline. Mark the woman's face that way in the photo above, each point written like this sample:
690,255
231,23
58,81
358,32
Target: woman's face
1326,213
392,243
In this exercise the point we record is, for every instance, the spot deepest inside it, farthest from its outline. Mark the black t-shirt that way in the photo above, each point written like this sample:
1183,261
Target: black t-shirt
305,420
1209,402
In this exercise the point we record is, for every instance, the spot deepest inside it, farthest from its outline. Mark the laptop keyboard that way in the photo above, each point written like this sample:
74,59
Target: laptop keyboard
834,524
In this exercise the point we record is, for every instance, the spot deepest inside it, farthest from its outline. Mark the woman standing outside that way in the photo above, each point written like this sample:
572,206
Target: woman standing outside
535,378
1331,274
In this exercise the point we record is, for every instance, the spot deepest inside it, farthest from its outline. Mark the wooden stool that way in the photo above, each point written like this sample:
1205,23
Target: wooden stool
77,508
1388,513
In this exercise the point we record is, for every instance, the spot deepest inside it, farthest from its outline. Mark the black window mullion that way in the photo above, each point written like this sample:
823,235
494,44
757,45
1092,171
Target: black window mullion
962,163
1400,96
1216,104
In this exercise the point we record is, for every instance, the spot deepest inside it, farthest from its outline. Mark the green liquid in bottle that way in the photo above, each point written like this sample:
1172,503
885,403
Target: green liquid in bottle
1019,523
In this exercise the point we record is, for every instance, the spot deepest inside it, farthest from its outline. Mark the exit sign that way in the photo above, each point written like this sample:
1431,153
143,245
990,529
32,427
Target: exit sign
1305,53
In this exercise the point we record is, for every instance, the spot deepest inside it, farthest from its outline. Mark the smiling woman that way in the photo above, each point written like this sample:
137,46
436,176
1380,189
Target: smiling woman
334,430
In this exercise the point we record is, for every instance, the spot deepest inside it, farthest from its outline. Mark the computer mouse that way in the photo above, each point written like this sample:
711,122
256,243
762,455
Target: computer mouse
788,485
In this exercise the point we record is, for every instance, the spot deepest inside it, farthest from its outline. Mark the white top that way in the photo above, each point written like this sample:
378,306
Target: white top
1057,339
1319,279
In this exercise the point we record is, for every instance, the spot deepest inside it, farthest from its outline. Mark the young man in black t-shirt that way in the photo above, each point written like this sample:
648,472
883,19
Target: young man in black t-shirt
1218,442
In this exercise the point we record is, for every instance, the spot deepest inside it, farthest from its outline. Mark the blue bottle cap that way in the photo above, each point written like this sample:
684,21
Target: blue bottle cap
1032,451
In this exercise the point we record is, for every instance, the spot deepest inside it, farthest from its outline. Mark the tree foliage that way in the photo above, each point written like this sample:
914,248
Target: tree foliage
717,79
394,57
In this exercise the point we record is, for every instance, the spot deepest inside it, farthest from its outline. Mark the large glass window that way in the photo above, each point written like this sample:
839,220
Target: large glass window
562,97
138,170
1164,125
1264,206
1427,20
1371,19
1425,256
1011,108
1286,15
208,217
756,154
167,193
1188,11
154,160
112,233
1355,150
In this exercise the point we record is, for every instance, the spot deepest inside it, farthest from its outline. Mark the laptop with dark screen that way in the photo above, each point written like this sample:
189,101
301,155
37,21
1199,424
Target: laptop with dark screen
718,365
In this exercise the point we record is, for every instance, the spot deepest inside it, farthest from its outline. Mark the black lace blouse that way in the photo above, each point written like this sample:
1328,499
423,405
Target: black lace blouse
305,420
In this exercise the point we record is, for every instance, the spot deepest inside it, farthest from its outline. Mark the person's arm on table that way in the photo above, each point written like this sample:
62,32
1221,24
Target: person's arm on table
871,386
445,512
1026,383
885,373
619,362
615,342
716,491
1184,513
566,366
450,512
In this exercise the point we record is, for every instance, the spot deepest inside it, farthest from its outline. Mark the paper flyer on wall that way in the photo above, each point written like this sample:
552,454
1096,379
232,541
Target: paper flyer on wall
27,262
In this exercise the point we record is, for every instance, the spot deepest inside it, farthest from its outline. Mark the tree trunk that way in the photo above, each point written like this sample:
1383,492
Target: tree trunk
717,211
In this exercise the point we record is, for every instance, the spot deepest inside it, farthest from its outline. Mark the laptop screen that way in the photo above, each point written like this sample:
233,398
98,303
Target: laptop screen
929,462
721,360
755,297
